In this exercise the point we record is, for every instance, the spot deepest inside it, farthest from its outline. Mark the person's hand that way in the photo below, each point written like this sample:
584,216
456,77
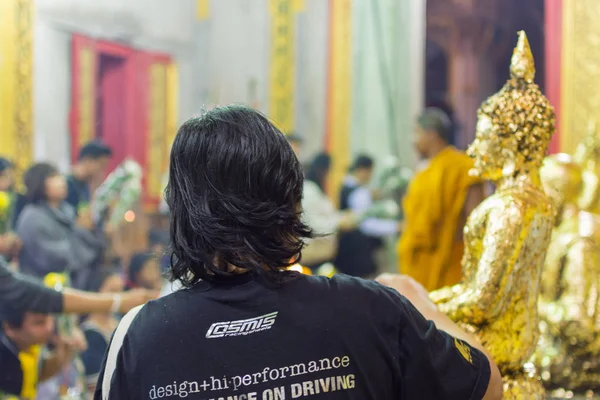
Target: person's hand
348,221
409,288
84,220
10,245
136,297
65,348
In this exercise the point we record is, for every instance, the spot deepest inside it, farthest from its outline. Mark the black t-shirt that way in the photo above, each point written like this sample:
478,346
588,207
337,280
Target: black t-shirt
338,338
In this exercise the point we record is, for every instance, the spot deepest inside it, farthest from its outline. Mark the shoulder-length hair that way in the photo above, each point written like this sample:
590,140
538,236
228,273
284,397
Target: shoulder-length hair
234,191
35,181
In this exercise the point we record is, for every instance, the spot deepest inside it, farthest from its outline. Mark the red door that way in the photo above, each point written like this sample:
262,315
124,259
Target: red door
119,96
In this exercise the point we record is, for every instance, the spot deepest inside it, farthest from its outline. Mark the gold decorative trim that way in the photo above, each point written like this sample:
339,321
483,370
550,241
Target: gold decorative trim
339,106
16,81
157,124
580,88
87,99
24,80
282,64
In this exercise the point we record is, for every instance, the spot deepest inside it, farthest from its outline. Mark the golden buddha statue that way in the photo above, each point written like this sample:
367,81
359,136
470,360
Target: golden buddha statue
569,350
507,235
587,155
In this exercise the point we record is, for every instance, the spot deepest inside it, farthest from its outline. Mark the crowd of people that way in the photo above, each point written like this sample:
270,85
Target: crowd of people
243,211
49,236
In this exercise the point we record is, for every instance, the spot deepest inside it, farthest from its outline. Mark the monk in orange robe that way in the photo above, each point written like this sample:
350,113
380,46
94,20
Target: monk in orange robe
436,206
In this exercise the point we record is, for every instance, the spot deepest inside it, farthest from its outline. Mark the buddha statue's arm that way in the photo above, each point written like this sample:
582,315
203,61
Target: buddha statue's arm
483,296
578,284
588,198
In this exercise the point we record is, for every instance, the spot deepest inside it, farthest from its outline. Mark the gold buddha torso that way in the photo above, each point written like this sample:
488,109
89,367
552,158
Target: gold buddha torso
511,332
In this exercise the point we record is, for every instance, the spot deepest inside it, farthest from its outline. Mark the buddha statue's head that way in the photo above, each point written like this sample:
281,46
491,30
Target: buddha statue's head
562,179
515,125
587,153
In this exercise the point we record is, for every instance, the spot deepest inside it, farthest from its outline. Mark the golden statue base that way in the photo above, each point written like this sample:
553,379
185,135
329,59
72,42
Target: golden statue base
522,386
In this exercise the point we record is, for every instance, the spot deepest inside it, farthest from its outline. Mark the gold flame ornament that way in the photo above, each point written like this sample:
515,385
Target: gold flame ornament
587,155
507,235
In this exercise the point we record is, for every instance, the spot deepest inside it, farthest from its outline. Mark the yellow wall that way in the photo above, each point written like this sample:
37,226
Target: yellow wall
339,105
16,70
580,80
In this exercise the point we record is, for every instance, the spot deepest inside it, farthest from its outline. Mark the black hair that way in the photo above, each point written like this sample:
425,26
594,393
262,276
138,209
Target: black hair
435,120
35,181
318,168
5,164
136,264
94,150
235,192
158,237
99,276
13,315
362,161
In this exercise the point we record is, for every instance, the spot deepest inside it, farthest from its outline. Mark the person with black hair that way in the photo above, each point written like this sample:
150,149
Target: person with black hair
321,215
99,327
22,335
439,199
246,326
91,165
144,272
357,248
54,239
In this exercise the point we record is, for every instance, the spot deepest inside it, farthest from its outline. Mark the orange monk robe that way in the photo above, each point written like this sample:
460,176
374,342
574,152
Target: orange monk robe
430,247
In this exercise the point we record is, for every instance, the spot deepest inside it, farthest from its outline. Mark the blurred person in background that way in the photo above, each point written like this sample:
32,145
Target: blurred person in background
54,238
22,335
438,201
158,242
90,167
357,248
145,272
99,327
321,215
295,140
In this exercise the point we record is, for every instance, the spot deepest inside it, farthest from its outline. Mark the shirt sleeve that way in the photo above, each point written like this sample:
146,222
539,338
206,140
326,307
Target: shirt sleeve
436,365
35,297
72,194
359,201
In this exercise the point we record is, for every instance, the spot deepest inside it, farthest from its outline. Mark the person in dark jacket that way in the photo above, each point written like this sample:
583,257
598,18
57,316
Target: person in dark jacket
357,248
91,165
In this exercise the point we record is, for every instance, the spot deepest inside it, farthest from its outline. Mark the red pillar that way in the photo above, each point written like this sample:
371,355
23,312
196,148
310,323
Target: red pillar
553,45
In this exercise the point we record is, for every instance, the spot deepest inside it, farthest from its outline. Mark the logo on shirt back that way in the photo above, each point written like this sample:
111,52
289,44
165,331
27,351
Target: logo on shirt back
241,327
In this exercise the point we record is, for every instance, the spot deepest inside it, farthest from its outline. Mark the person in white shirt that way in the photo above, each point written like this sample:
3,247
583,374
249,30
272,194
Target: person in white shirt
321,215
